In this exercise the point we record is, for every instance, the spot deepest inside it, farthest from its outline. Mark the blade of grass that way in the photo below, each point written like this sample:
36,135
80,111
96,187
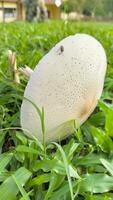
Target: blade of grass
41,115
66,168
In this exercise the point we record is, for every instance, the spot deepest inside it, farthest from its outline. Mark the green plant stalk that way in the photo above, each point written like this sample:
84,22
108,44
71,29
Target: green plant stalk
41,115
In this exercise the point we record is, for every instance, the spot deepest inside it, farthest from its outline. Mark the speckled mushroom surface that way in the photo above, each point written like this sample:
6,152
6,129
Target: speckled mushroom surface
67,82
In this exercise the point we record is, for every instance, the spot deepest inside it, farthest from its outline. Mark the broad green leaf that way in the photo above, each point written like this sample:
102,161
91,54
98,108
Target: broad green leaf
52,184
96,183
20,156
63,191
26,149
91,159
86,133
45,165
21,189
97,119
4,160
73,172
70,149
9,189
59,180
4,175
107,165
54,165
108,110
102,140
22,138
39,180
99,197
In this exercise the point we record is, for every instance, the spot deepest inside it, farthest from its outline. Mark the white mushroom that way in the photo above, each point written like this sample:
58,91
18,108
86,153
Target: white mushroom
67,82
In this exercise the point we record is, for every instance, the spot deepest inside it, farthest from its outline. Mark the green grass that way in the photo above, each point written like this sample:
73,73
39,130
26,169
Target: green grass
80,167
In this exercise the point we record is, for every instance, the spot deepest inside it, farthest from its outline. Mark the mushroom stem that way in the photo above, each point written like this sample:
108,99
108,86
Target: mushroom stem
13,66
27,71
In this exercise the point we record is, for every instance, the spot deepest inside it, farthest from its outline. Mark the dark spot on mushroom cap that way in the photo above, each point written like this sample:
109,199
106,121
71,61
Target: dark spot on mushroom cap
61,48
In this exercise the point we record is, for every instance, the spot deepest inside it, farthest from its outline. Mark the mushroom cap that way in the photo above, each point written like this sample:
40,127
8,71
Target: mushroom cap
67,82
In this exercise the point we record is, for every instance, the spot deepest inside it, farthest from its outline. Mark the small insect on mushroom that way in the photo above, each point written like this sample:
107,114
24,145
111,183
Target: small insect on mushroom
61,50
68,87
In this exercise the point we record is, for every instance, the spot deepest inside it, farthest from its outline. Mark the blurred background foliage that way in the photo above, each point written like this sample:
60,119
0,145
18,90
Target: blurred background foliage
89,7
